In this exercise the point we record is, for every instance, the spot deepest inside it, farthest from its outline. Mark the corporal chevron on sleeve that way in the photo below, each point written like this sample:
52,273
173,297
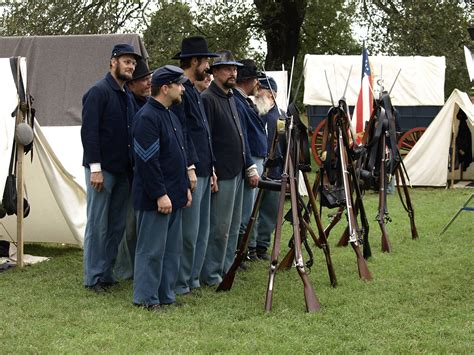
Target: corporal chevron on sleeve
146,154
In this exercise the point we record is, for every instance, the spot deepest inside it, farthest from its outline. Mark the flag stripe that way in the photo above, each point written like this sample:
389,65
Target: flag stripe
364,105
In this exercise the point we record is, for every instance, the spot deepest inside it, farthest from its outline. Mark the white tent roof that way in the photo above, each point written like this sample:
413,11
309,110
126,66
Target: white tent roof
427,162
420,83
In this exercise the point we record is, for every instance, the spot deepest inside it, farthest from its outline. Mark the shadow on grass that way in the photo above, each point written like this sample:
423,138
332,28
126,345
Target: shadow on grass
51,250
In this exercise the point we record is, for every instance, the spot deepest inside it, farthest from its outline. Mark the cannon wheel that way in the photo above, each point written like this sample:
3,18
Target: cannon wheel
317,142
408,140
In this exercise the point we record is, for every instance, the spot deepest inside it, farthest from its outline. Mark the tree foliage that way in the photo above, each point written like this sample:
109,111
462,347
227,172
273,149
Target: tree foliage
225,26
168,26
423,27
327,28
23,18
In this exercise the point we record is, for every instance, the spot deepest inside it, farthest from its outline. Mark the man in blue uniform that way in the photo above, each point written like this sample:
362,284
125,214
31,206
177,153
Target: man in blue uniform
107,112
267,107
255,132
140,87
194,60
228,144
160,191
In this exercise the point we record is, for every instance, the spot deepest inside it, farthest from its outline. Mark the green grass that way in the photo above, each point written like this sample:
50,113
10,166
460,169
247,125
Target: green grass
420,301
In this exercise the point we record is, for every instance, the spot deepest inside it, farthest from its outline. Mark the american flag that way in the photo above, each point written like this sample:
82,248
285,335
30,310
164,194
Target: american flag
364,105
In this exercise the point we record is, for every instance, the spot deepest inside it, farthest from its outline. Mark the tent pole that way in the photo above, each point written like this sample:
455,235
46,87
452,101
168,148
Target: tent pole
453,154
19,205
20,150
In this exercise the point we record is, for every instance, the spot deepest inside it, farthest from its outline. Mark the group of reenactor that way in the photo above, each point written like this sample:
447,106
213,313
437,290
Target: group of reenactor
172,162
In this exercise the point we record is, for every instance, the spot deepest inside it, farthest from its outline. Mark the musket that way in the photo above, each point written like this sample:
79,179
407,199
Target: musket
329,87
278,228
291,81
312,302
408,207
382,193
390,91
241,253
322,241
364,272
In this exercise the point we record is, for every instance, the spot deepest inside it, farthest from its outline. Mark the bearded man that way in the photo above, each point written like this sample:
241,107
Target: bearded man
194,60
107,112
228,143
267,108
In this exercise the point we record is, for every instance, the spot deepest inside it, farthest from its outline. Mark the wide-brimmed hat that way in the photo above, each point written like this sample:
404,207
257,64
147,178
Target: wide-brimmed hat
122,49
225,57
141,70
168,74
195,46
248,70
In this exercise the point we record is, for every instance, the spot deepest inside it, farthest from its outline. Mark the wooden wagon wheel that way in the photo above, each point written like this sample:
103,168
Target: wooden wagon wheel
408,140
317,142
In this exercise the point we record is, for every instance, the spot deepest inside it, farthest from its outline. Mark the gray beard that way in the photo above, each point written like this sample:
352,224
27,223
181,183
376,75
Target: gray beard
263,104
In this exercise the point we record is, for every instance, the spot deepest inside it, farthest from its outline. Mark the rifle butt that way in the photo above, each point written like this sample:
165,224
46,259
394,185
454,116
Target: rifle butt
366,251
385,242
364,272
227,281
331,272
386,247
312,302
271,280
414,232
344,241
287,261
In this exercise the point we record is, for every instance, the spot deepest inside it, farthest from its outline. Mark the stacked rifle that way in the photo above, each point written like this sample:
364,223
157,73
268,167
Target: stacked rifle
347,171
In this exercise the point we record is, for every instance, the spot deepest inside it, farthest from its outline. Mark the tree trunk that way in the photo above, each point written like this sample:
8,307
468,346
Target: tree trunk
281,22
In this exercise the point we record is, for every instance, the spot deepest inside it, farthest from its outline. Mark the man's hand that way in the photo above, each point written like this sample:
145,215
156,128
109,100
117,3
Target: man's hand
192,178
190,199
214,187
164,204
97,181
252,176
253,181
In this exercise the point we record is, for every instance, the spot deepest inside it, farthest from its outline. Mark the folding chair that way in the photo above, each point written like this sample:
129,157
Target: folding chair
463,208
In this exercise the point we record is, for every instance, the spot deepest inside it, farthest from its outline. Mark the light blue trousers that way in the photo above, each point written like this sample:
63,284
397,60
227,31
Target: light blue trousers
196,221
159,248
266,221
126,251
226,209
249,197
106,214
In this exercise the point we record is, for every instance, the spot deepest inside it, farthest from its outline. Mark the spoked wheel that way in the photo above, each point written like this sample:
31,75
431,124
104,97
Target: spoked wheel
317,142
408,140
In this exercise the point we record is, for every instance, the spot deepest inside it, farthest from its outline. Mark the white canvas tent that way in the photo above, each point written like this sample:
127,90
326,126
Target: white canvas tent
427,162
60,70
421,80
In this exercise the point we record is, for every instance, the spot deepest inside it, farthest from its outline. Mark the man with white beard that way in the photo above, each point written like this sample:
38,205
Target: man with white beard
264,100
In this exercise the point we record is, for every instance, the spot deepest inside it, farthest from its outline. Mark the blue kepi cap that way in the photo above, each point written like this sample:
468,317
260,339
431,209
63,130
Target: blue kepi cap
168,74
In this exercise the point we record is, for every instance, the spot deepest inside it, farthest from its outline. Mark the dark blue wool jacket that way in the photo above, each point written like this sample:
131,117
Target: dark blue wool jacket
193,118
107,113
160,159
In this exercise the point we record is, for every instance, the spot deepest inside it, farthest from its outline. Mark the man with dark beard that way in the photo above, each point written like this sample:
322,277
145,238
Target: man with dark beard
160,191
107,112
265,102
228,144
194,60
